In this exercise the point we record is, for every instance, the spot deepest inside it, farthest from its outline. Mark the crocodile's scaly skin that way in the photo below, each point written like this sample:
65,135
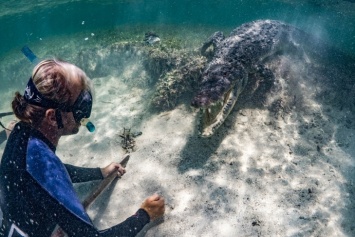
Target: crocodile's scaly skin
226,75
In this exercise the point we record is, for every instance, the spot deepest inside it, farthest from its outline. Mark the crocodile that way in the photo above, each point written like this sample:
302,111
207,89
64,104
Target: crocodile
232,58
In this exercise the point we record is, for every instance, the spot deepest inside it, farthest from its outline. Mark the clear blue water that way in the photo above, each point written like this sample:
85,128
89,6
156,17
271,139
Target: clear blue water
23,22
43,24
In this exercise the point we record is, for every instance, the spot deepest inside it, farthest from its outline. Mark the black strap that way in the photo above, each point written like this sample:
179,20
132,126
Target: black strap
6,114
3,135
2,125
58,117
3,115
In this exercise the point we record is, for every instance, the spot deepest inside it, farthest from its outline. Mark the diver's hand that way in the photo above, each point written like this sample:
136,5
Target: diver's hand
154,206
113,167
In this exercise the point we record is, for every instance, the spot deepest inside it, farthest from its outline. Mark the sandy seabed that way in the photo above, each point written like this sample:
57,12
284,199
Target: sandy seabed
280,169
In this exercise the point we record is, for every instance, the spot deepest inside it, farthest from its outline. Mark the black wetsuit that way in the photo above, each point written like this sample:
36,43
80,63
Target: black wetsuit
36,191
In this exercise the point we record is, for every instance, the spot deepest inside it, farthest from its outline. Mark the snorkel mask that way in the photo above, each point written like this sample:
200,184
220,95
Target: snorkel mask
81,108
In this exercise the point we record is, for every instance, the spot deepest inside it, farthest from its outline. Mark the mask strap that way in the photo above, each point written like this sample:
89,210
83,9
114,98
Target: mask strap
58,117
34,97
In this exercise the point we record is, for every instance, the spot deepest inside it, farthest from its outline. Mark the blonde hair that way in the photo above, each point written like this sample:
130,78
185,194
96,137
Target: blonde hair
52,78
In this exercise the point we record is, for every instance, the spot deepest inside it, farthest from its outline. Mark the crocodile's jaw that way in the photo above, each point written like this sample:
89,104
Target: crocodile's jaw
209,122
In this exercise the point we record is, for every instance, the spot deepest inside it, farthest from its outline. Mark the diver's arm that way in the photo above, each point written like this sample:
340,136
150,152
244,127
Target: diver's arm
73,225
128,228
81,174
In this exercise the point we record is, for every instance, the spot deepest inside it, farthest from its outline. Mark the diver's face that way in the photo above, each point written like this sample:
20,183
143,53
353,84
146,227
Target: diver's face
70,125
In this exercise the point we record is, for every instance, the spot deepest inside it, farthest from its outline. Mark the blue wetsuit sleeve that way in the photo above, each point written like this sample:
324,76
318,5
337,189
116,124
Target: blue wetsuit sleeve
80,174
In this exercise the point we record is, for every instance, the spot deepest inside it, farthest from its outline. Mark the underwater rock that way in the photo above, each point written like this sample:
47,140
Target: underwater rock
151,38
170,69
176,82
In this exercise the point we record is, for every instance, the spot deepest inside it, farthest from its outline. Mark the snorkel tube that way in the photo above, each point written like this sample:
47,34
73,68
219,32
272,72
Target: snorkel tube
89,125
29,54
81,110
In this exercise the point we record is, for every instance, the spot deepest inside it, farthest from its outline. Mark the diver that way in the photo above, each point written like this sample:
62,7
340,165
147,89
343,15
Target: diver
36,190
